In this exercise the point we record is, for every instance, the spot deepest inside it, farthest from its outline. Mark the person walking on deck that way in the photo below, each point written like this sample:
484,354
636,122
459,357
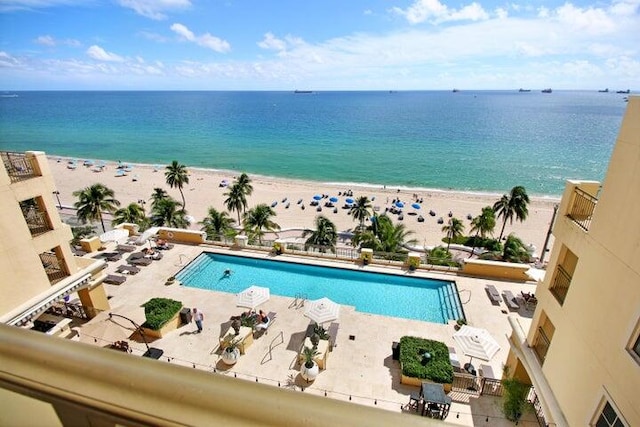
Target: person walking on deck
198,317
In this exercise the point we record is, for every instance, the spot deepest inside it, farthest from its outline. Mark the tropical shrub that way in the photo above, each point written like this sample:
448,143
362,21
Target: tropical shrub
515,398
437,369
441,256
159,311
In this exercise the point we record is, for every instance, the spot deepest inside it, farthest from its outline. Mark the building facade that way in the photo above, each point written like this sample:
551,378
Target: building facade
582,352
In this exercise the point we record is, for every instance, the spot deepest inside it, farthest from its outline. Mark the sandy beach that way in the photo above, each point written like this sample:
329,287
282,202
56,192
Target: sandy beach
204,191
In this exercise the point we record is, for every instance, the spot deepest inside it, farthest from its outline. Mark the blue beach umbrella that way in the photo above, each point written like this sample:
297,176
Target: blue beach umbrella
399,205
415,206
349,200
333,200
317,197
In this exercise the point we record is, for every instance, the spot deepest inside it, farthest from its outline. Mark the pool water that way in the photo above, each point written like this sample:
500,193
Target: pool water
385,294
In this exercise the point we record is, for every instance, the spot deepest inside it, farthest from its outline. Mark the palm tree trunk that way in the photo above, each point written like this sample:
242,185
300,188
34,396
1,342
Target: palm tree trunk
504,224
474,244
104,230
184,202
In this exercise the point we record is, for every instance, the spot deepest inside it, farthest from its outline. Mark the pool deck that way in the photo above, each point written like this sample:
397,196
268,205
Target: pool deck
360,369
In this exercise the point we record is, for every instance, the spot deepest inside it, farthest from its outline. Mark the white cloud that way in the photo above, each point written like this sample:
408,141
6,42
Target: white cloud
46,41
155,9
99,54
8,61
591,20
51,41
436,12
205,40
12,5
271,42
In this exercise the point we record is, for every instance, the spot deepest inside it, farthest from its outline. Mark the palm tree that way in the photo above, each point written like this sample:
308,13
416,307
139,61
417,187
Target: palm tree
514,204
483,224
216,224
258,219
454,229
92,201
177,176
244,182
361,210
384,236
236,199
169,212
325,235
514,250
157,195
133,213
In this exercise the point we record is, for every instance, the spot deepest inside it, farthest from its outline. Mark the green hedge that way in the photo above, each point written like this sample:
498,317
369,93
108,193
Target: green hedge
438,369
159,311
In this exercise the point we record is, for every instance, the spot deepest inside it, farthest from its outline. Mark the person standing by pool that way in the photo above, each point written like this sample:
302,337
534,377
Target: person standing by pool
198,317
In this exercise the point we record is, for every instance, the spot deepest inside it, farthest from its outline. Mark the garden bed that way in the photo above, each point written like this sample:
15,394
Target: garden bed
425,360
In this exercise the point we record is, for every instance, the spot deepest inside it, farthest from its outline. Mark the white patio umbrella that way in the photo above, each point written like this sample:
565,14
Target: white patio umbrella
253,296
114,235
476,342
536,274
322,310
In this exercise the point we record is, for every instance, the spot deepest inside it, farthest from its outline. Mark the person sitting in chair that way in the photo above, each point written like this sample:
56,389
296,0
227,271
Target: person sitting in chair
262,321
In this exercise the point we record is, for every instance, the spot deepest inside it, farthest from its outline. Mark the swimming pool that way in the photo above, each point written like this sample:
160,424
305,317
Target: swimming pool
385,294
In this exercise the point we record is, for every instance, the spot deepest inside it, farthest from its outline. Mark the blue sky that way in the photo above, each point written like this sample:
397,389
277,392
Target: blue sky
318,44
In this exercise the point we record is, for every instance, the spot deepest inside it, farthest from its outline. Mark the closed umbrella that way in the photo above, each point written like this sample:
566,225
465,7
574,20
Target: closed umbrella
476,342
322,310
253,296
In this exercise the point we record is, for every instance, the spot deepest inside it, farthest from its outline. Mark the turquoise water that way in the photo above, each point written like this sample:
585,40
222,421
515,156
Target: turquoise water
388,295
486,141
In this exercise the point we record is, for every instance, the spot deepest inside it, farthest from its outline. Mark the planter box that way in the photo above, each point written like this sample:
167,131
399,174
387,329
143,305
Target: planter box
172,324
418,381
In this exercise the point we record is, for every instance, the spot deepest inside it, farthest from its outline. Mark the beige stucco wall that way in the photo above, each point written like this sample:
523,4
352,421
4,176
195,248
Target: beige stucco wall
588,358
182,236
23,276
495,269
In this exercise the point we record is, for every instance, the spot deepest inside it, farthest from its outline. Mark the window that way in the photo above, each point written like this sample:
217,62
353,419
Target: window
636,347
634,344
609,417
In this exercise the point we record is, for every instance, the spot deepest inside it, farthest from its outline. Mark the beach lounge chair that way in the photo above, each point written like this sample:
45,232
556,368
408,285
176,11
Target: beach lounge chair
125,248
510,300
333,335
493,294
128,269
140,261
486,371
114,279
113,256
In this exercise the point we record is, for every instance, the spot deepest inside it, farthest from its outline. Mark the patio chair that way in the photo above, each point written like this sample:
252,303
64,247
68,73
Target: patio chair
128,269
510,300
114,279
125,248
493,294
140,261
414,402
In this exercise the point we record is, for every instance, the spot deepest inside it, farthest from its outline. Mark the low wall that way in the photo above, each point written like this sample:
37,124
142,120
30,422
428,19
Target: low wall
495,269
418,382
182,236
171,325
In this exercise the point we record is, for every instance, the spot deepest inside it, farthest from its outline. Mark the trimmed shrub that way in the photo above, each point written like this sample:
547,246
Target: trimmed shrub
159,311
438,369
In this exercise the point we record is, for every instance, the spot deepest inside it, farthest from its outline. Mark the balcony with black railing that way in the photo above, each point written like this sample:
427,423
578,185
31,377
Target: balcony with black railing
19,167
561,284
582,208
53,267
36,220
541,345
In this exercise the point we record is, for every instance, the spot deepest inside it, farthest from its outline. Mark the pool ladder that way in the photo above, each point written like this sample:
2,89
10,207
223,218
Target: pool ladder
299,300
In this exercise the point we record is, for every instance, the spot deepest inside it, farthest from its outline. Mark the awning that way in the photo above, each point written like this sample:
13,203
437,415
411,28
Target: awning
36,306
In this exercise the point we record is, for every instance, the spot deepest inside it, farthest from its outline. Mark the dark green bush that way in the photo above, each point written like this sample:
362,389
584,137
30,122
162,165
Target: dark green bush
159,311
438,369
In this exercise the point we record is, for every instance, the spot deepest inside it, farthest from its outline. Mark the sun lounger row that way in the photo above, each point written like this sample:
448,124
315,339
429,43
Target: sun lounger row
510,300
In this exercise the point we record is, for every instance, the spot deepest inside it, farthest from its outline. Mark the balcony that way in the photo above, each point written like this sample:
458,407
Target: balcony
19,167
541,345
53,267
36,220
581,210
561,284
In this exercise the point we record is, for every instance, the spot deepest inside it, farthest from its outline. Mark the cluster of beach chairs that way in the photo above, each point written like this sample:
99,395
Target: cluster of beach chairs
135,260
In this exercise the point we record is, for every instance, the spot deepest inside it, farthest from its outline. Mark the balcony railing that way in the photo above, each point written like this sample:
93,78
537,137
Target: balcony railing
561,283
18,166
581,211
37,221
53,267
541,345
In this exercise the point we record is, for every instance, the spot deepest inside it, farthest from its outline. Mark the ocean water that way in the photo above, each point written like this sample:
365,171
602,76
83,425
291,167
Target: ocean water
485,141
377,293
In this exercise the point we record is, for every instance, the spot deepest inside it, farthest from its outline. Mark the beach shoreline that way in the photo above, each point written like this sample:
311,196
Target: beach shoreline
204,190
